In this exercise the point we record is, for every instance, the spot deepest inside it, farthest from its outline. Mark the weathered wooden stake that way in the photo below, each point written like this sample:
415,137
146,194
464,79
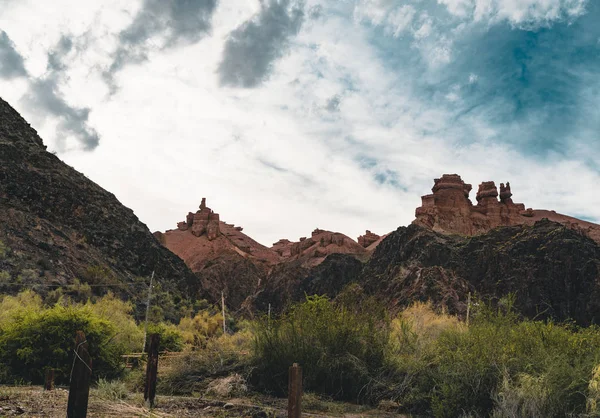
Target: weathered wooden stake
151,370
468,308
223,312
49,381
81,373
295,391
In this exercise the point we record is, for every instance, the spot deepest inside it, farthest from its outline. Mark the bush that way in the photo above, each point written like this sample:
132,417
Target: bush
340,349
171,338
195,370
120,314
198,330
34,340
111,390
501,364
34,337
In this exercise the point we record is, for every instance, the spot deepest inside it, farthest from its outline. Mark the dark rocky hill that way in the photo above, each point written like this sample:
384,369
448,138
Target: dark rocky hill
552,270
58,227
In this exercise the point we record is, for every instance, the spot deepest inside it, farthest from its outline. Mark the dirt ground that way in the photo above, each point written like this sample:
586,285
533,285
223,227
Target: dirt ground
33,401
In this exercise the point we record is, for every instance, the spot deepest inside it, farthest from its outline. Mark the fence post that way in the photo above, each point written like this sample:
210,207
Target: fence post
49,381
151,370
81,373
295,391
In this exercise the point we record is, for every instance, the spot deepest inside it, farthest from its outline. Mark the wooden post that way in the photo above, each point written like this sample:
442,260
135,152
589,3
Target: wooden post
147,311
49,381
151,370
223,312
81,373
295,391
468,308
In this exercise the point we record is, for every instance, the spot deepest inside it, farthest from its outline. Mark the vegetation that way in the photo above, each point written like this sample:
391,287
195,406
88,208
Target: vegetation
340,349
34,338
422,362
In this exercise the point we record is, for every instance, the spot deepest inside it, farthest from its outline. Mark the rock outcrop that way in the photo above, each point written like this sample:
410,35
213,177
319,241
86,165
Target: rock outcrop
368,239
313,250
553,270
203,222
203,237
449,210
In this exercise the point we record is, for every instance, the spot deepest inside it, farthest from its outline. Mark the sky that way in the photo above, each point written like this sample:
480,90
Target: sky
288,115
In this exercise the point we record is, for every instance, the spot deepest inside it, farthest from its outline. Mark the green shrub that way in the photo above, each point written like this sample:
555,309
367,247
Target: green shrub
171,338
502,364
34,338
340,349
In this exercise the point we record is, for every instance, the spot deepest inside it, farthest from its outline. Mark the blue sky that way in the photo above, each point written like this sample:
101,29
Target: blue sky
290,115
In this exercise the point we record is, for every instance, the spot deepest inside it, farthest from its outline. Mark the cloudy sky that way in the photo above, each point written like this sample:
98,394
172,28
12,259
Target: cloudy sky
294,114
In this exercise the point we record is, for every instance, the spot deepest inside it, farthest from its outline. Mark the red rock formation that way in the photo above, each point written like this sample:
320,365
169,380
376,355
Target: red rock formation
314,249
203,222
368,239
449,210
203,237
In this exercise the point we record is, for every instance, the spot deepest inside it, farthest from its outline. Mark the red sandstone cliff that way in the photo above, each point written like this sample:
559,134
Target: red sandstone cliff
203,237
313,250
449,210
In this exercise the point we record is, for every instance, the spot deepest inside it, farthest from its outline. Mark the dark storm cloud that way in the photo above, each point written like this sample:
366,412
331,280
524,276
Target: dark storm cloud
175,21
11,62
45,98
252,48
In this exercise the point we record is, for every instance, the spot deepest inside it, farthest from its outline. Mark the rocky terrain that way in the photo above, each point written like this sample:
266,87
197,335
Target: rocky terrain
552,270
251,275
58,227
449,210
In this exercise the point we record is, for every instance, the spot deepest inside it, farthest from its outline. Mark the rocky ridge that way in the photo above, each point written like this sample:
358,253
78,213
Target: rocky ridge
59,227
449,210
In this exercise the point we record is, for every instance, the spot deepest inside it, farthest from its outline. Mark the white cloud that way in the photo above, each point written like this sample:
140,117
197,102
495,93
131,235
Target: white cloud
520,13
271,158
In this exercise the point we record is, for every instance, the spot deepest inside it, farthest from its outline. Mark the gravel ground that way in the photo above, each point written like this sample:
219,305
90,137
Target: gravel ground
33,401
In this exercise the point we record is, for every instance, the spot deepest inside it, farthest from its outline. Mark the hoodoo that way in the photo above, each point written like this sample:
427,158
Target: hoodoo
449,210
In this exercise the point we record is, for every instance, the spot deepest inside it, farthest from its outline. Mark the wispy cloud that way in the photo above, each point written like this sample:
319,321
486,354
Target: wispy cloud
44,98
159,25
252,48
11,62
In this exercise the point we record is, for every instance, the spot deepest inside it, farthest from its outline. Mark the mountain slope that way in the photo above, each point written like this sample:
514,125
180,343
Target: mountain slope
58,226
553,270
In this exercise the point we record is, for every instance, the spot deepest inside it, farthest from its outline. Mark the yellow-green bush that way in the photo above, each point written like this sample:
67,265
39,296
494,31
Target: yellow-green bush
32,340
197,330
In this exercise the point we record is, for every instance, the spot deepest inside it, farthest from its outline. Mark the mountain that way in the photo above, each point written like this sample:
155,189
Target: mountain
553,270
228,261
58,228
549,261
61,233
